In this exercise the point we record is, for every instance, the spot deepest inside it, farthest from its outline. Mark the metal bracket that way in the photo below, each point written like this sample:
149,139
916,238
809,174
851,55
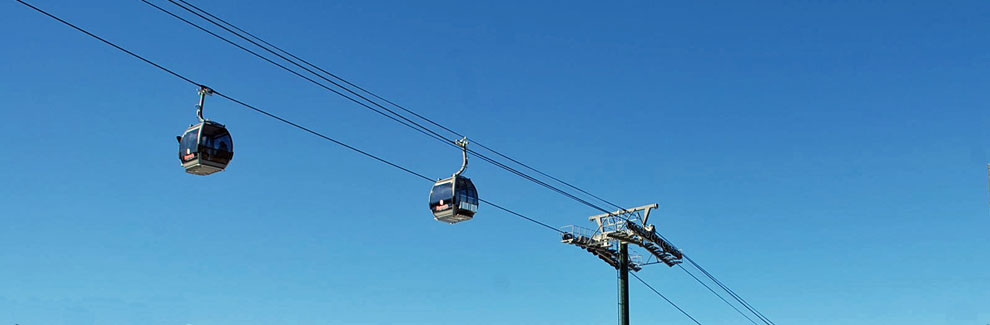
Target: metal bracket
609,222
463,143
627,226
203,92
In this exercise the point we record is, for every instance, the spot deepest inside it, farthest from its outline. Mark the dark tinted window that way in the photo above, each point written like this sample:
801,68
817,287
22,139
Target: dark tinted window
188,147
223,143
466,191
467,195
441,191
216,144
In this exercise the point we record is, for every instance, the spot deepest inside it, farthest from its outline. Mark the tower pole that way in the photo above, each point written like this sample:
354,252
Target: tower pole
621,228
623,284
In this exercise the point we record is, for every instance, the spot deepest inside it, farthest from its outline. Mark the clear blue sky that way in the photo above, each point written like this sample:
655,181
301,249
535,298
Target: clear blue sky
827,160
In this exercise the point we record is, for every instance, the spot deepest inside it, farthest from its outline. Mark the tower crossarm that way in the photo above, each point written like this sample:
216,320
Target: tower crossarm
671,255
615,221
601,248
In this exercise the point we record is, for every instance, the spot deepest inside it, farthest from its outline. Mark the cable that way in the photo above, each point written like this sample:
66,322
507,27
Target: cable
407,122
323,136
366,153
266,113
111,44
417,125
292,71
521,216
716,294
664,298
549,176
317,67
724,287
382,160
341,79
237,31
537,181
731,293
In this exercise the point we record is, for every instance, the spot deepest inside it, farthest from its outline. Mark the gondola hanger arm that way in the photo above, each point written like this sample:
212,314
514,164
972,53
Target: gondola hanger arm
203,92
463,143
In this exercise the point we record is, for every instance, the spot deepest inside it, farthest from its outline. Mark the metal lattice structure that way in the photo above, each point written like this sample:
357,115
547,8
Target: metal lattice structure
624,226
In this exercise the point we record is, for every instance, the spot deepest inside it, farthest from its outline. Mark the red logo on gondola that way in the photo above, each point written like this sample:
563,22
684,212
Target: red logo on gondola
442,206
189,156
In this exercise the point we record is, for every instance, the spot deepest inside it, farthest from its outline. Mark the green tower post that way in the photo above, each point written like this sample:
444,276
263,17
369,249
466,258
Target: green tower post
623,284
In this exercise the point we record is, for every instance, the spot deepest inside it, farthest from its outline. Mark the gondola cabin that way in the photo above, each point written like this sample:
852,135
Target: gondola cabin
454,199
205,148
